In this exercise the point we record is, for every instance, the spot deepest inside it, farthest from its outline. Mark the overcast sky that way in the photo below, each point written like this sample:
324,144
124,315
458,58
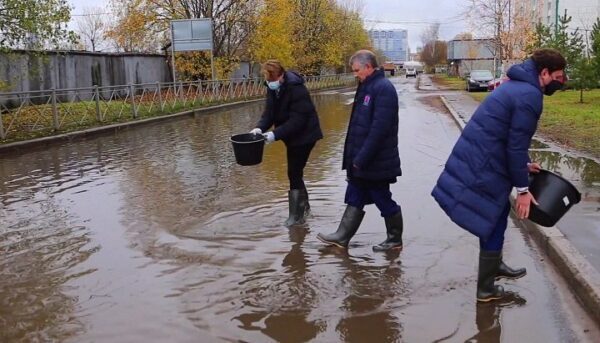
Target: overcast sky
413,15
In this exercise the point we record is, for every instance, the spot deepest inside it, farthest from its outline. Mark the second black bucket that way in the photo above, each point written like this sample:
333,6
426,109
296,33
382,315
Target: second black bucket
248,148
555,197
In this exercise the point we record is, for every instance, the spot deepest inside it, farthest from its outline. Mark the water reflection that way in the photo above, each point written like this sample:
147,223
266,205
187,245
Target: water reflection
488,318
372,293
290,320
536,144
39,256
583,170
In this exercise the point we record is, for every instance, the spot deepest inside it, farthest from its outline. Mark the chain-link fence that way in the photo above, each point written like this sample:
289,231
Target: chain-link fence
26,115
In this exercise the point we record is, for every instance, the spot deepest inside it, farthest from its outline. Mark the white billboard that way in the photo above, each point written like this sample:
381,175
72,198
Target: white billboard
192,34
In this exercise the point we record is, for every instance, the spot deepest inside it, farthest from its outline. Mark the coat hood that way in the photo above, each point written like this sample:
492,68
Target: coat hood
526,72
293,78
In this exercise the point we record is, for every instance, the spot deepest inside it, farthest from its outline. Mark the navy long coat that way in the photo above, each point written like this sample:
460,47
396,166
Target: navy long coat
372,137
292,112
491,155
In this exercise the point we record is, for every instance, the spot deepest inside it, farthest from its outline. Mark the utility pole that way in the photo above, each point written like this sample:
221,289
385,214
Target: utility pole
556,19
498,45
510,36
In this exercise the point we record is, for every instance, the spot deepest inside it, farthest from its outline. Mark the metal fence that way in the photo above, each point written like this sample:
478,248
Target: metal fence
25,115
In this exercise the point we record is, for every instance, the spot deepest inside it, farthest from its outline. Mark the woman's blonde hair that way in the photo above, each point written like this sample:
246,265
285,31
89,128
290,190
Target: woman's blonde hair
272,69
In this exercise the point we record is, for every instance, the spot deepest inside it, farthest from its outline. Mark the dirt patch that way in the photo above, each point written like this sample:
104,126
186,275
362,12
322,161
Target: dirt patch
434,101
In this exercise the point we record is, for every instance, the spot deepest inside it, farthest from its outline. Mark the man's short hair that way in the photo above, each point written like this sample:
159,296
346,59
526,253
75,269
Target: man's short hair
548,58
363,57
272,69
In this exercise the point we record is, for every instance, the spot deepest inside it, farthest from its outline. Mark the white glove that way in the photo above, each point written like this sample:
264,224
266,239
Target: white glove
269,137
256,131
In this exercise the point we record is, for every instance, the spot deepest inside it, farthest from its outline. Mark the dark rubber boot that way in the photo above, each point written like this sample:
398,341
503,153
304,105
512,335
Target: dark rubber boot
506,272
307,207
297,202
489,263
393,227
348,226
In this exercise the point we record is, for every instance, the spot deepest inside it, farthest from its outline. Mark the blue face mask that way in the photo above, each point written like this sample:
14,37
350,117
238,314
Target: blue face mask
273,85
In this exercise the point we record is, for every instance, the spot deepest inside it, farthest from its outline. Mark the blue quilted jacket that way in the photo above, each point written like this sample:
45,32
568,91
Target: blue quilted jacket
372,137
491,155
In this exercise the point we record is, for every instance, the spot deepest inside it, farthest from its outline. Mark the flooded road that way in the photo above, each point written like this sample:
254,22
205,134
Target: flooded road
154,234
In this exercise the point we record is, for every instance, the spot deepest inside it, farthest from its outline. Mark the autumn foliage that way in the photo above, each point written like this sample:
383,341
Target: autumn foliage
311,36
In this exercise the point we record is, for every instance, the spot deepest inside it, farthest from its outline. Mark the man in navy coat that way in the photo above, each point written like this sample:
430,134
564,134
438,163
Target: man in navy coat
371,157
491,157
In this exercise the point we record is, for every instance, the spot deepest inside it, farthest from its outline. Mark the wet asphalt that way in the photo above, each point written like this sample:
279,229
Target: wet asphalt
155,234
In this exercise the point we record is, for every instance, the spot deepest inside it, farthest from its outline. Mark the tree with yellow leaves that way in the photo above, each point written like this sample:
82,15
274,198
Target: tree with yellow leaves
273,36
134,29
308,35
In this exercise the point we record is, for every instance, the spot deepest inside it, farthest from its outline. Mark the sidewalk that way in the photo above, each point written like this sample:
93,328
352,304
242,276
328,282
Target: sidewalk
580,273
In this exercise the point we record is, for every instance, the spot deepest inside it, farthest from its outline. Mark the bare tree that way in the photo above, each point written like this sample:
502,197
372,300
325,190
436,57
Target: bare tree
233,20
434,53
431,33
464,36
489,19
509,24
91,26
429,39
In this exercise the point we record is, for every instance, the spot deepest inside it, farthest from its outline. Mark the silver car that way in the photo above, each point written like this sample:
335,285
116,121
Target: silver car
478,80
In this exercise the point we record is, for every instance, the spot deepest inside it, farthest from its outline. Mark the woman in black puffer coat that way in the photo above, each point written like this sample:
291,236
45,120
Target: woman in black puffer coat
290,110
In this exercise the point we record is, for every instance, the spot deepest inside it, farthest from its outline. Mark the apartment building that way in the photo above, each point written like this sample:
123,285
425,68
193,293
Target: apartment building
393,44
583,12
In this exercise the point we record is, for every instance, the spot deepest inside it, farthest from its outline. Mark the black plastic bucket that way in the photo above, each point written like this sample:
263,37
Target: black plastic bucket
248,148
555,196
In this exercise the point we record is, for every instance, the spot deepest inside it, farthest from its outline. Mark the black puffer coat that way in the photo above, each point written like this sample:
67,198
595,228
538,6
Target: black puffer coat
292,112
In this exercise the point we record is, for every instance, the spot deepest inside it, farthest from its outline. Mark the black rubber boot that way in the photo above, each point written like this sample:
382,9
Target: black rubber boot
489,263
348,227
393,227
297,201
506,272
307,207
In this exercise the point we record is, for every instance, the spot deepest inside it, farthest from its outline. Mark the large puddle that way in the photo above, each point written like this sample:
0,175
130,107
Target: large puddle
155,234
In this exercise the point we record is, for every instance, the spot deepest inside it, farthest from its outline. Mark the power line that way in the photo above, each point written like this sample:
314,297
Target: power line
89,14
407,22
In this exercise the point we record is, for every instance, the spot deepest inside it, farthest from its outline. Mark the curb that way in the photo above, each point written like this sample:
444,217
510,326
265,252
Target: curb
580,275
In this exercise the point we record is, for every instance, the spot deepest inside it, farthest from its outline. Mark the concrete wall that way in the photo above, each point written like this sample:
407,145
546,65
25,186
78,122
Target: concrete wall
470,49
23,71
247,69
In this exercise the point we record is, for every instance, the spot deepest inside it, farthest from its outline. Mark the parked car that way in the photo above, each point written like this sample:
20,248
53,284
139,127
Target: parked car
478,80
497,82
411,72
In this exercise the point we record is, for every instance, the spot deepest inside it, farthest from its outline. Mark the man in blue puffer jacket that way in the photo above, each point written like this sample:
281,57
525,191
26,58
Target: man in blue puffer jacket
371,157
491,157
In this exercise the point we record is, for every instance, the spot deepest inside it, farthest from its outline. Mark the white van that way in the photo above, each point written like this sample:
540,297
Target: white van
411,72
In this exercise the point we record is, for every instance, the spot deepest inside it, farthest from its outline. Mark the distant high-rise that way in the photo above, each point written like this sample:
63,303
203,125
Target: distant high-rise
393,43
548,12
